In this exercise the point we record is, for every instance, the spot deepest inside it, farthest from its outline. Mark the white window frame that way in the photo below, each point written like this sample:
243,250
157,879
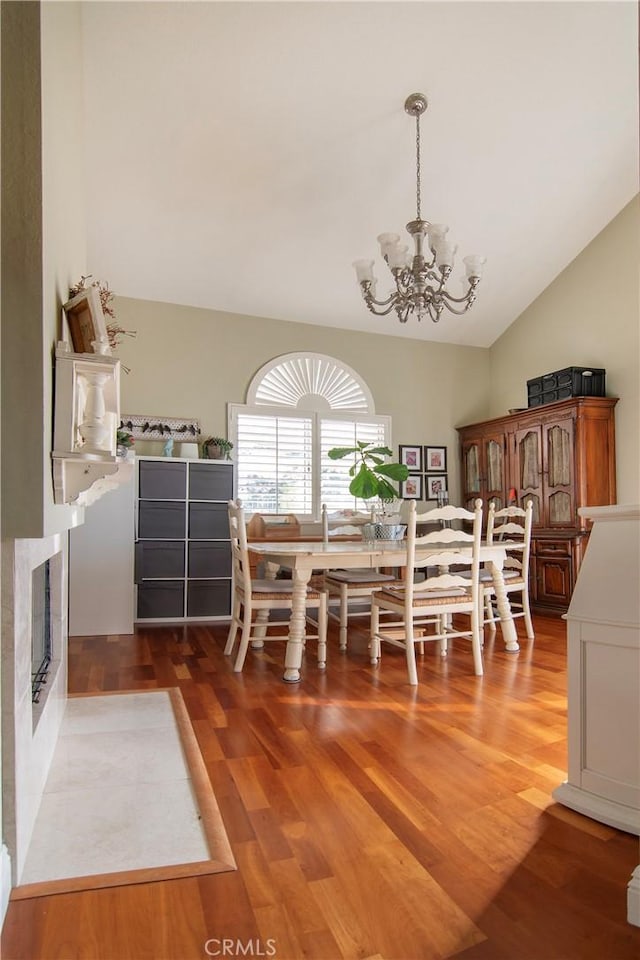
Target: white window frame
315,411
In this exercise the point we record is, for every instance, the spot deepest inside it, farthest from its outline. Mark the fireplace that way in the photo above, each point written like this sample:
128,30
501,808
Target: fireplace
34,631
41,647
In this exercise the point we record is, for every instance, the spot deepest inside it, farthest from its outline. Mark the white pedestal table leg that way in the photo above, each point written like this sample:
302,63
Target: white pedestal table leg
297,625
504,608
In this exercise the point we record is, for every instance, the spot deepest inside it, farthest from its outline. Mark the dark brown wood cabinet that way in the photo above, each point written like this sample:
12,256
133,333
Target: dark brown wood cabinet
561,456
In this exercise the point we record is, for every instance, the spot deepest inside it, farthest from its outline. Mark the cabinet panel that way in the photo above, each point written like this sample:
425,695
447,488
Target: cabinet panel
484,471
208,598
159,558
160,520
554,582
558,467
208,521
209,559
210,481
162,480
161,598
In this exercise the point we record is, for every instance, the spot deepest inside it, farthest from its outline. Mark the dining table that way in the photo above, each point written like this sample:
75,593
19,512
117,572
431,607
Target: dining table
304,557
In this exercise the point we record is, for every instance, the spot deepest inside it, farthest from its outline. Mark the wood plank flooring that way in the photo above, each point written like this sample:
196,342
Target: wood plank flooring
368,819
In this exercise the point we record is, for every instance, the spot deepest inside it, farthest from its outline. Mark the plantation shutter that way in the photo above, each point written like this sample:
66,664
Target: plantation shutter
274,457
334,474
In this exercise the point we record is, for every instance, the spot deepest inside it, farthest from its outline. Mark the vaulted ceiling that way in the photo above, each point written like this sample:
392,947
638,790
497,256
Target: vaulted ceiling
241,155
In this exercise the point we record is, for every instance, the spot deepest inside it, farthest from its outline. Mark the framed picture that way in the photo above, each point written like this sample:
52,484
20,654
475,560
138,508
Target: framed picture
411,488
436,486
86,320
435,459
411,456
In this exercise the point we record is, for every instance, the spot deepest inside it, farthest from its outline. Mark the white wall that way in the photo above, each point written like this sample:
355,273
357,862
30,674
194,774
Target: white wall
589,316
190,362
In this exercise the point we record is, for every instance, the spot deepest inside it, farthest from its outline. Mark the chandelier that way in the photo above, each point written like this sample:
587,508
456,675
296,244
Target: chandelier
420,277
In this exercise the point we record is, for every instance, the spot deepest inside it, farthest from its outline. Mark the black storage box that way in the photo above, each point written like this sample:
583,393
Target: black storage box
570,382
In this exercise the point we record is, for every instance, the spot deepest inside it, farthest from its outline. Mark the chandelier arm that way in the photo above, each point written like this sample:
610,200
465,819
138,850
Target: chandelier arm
434,314
372,304
368,296
459,313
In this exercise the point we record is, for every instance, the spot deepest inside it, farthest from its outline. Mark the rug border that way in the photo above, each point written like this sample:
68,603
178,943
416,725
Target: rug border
212,821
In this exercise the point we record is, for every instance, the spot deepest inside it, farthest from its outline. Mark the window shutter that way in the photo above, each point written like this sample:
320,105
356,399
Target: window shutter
334,474
274,457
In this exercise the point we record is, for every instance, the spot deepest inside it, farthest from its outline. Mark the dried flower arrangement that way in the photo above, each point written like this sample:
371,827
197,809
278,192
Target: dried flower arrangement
115,332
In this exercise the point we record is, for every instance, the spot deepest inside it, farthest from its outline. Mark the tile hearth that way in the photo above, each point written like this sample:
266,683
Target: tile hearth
119,795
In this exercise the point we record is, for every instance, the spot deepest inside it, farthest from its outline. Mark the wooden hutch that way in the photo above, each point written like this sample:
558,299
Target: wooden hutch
561,456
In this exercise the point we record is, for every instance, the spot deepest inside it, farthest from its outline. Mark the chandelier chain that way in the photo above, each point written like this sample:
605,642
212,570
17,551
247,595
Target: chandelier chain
418,182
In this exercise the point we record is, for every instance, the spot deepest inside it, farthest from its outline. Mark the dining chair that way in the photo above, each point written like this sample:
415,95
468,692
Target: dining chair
349,585
422,612
261,596
511,527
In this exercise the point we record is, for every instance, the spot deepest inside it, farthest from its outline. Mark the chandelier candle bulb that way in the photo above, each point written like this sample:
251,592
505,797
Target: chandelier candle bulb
364,271
474,266
388,242
445,253
420,277
398,256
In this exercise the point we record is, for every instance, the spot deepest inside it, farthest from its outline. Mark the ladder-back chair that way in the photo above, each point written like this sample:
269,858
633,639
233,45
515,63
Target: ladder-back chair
350,586
251,595
417,613
511,528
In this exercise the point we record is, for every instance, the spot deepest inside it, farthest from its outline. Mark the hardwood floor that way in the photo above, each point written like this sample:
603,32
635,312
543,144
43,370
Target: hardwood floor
368,819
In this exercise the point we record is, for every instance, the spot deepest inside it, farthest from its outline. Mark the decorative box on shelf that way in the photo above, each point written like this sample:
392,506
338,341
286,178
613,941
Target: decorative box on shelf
563,384
87,411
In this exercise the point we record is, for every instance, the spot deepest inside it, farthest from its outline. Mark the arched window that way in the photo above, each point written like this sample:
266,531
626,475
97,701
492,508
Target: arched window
298,407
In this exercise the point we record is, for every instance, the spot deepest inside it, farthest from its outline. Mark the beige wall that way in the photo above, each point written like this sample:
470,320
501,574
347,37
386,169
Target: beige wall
64,253
589,316
43,244
190,362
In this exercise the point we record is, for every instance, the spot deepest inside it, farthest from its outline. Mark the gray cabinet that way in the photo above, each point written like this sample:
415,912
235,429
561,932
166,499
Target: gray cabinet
183,554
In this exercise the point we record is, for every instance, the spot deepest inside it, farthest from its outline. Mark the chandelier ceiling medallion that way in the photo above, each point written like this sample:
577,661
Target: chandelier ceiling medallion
420,277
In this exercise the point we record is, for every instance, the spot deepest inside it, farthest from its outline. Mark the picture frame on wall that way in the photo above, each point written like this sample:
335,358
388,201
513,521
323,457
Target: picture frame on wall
411,488
410,456
86,321
435,459
437,486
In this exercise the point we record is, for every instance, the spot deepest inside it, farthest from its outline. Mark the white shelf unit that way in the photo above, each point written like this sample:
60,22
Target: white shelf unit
182,552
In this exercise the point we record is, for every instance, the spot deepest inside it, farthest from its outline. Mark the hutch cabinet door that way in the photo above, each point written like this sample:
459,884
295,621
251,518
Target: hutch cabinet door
528,471
484,472
553,573
558,466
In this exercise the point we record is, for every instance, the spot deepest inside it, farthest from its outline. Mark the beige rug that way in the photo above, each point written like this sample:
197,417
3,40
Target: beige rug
127,799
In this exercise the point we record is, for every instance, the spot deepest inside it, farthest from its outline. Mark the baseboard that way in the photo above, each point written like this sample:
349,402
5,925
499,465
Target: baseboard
614,814
633,898
5,882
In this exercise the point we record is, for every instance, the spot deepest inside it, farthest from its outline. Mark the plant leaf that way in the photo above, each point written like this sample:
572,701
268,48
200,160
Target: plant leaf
381,450
337,453
386,491
365,484
397,471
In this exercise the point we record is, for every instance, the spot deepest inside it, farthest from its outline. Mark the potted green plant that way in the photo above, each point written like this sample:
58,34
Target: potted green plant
371,476
216,448
124,442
